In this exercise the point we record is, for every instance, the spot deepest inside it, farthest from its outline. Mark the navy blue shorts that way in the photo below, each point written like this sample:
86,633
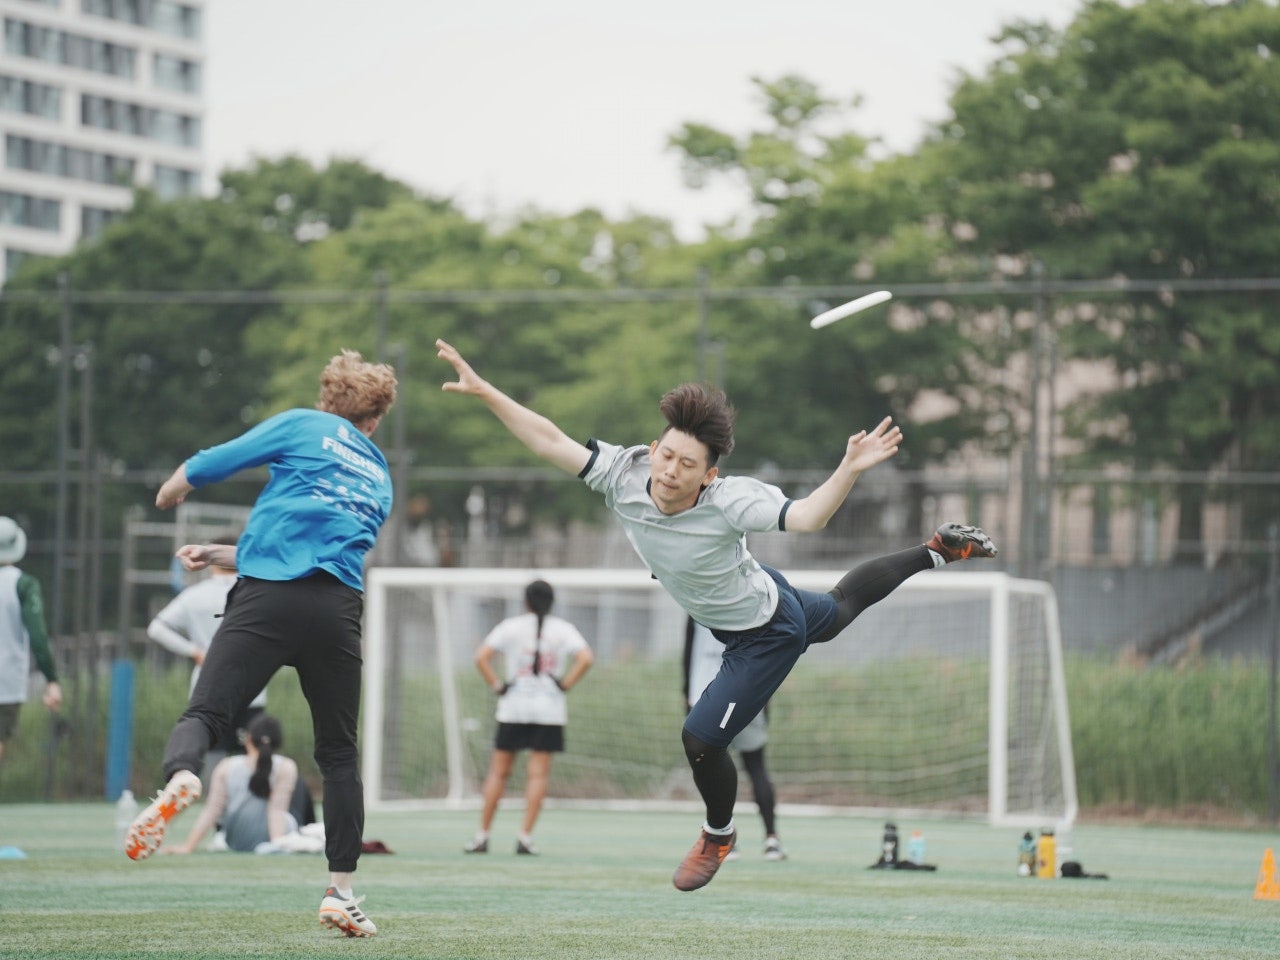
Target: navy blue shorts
757,661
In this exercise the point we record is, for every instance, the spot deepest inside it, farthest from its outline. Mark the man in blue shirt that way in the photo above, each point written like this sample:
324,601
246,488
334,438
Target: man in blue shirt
298,602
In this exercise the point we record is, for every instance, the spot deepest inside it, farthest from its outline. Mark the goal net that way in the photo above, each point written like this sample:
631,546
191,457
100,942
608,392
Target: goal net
947,696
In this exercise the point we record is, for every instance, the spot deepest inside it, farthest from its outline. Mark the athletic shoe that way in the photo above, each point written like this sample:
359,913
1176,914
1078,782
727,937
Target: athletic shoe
955,541
773,849
732,854
147,831
526,848
345,915
701,863
478,845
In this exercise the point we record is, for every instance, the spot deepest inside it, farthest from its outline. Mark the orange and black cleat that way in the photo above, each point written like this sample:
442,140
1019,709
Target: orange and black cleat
955,541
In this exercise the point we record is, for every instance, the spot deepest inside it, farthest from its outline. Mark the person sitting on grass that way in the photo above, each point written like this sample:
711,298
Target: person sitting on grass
254,796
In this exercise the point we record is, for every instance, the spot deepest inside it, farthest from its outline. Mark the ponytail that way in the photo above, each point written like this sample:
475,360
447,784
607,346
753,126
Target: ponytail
539,597
267,736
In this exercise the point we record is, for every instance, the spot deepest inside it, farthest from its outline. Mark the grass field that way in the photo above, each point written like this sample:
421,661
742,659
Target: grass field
602,889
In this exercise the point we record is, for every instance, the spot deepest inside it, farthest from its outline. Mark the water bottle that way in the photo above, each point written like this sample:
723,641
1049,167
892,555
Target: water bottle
915,847
126,811
1026,855
1046,855
889,846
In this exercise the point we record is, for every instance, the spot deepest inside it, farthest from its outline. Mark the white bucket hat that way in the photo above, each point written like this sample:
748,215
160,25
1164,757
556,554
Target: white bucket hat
13,542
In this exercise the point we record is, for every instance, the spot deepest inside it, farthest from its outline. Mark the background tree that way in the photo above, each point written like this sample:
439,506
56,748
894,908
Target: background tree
506,294
1141,141
830,214
168,376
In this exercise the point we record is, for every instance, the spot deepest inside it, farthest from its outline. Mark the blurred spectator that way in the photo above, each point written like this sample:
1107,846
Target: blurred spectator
23,632
259,798
186,627
420,546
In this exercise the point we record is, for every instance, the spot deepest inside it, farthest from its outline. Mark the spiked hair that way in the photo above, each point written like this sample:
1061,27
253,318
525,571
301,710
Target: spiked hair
703,412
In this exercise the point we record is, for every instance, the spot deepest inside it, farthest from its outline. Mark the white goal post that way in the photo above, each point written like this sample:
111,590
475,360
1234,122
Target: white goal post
948,696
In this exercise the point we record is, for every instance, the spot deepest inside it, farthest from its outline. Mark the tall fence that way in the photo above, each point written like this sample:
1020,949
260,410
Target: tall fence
1113,544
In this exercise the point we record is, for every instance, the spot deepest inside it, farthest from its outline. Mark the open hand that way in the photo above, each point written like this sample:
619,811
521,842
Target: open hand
865,449
468,380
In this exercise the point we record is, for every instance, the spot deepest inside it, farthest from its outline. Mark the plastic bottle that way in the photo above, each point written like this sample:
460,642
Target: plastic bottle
1046,855
1026,855
889,845
126,811
915,847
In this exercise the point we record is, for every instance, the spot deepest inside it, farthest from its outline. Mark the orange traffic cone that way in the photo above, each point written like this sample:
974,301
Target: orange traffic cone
1268,887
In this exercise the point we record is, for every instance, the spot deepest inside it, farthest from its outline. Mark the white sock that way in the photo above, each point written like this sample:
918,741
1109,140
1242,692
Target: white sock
938,559
718,831
346,894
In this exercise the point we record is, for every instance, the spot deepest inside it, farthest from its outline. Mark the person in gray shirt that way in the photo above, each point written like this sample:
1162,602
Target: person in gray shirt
689,526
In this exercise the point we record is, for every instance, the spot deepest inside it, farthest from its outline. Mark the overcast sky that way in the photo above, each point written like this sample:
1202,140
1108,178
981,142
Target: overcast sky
565,104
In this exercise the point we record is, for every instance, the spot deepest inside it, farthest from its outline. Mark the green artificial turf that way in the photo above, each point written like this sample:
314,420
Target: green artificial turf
602,889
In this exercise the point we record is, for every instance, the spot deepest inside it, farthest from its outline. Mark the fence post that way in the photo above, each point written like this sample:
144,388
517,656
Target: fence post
1273,746
119,729
63,456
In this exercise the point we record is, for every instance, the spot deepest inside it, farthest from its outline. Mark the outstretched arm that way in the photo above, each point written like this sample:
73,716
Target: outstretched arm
863,451
532,429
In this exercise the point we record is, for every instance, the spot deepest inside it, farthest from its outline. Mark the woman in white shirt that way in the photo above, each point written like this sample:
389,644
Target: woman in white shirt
543,658
250,795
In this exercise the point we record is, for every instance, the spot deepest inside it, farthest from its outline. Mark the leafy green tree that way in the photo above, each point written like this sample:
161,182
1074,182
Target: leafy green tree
829,214
510,297
160,326
166,374
1141,141
297,200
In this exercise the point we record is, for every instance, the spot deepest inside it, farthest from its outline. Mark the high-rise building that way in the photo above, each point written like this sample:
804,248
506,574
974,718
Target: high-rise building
96,97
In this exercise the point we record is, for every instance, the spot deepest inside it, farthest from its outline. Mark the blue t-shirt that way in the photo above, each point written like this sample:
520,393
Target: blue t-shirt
328,496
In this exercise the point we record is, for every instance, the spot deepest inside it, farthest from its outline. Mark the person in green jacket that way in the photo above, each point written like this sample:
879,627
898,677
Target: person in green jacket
22,633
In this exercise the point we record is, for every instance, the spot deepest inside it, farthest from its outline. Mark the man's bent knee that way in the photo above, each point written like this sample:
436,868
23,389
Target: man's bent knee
697,750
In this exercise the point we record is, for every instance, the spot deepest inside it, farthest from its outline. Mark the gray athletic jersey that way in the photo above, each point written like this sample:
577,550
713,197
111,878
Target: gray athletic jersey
15,644
192,618
699,555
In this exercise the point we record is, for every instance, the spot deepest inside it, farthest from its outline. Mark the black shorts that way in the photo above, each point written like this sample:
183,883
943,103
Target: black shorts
8,720
529,736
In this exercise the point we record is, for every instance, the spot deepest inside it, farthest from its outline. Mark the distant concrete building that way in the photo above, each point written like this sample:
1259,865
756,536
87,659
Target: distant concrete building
96,97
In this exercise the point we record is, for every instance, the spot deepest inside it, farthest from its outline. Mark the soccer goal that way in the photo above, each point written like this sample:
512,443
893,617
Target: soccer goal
948,696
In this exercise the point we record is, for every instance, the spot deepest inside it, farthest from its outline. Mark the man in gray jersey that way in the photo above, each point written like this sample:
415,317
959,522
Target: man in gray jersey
689,525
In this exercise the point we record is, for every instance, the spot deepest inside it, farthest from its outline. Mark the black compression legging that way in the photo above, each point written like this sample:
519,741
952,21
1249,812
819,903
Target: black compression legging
761,787
715,775
871,582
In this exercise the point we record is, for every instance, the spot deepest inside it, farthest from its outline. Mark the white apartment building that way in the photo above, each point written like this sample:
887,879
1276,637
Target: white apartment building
96,97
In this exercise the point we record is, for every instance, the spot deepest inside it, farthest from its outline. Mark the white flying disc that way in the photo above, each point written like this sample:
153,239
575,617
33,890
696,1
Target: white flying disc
850,308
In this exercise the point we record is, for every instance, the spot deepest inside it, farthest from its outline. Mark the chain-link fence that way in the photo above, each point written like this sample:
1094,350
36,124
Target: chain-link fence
1148,565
